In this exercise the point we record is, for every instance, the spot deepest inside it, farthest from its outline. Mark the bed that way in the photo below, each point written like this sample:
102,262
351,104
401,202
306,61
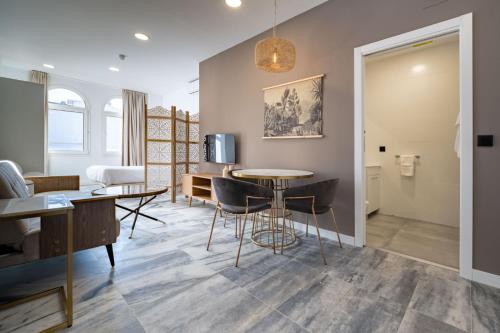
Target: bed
115,175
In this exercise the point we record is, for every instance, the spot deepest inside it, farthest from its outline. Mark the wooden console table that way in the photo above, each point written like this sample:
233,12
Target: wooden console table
199,186
48,205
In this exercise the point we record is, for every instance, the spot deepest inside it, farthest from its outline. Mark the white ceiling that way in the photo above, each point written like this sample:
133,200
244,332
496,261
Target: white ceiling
82,38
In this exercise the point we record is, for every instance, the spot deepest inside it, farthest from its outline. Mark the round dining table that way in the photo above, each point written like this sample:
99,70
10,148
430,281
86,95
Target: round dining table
267,224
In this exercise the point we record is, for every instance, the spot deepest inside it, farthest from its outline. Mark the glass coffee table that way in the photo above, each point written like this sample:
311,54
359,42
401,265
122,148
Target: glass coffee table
128,191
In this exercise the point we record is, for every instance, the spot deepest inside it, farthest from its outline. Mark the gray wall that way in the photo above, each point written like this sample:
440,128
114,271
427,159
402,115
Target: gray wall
231,99
22,123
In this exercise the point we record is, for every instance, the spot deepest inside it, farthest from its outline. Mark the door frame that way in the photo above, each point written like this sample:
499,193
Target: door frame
462,25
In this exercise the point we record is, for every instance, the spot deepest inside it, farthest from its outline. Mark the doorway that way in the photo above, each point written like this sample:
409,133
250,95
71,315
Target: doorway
411,150
408,175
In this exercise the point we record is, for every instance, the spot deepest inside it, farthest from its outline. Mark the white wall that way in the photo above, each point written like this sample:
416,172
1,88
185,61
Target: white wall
96,96
182,98
414,112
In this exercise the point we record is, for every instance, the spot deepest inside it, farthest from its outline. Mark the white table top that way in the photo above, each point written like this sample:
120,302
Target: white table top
34,206
272,173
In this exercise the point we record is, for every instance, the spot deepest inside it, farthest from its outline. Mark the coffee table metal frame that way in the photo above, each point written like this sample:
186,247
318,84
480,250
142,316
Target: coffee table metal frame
144,200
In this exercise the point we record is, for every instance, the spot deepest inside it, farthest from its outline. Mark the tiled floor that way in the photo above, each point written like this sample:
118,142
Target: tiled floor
433,242
166,281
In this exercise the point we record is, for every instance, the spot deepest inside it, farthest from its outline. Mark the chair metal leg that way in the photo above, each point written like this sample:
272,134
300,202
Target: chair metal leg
283,229
241,232
319,237
241,238
213,224
336,227
307,225
273,227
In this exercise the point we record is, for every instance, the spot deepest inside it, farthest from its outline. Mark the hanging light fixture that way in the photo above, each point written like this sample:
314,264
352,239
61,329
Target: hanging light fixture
273,54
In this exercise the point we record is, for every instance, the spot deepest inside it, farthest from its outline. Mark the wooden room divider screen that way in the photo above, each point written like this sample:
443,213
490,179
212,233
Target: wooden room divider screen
172,147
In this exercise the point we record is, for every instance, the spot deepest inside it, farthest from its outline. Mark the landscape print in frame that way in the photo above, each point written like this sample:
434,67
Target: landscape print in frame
294,109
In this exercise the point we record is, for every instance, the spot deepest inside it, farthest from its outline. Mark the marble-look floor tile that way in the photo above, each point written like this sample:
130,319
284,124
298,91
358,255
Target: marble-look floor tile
212,305
415,322
282,282
313,307
444,300
360,312
394,281
276,322
485,308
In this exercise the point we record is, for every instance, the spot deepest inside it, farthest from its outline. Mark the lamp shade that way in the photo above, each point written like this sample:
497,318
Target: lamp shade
275,55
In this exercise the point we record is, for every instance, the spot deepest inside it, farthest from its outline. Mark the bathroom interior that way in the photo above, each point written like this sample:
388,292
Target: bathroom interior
412,154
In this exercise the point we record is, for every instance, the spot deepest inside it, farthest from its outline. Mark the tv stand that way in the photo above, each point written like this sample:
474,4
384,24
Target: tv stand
199,186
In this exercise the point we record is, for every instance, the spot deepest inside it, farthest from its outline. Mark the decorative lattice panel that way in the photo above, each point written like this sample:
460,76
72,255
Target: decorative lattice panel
194,168
172,147
159,129
159,175
159,152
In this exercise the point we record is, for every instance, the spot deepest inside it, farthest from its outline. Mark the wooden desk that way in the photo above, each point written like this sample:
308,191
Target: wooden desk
47,205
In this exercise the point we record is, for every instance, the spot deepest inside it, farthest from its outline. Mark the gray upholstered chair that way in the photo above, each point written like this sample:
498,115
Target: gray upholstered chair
26,240
312,199
18,238
240,198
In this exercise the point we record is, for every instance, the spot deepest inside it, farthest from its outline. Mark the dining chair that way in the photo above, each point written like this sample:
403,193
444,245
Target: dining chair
241,198
312,199
264,182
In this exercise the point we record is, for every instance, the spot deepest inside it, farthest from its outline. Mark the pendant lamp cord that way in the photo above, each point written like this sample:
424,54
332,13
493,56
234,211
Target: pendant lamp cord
274,26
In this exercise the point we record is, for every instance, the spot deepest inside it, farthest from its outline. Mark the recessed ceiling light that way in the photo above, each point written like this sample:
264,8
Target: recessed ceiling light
233,3
141,36
114,69
418,68
48,66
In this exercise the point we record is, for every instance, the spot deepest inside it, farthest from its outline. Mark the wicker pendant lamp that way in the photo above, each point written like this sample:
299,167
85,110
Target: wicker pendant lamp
273,54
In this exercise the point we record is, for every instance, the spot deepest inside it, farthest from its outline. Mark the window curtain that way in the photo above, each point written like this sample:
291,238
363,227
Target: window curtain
43,79
134,105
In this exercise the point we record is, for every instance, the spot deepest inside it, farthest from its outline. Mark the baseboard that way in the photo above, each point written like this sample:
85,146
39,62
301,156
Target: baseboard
332,235
486,278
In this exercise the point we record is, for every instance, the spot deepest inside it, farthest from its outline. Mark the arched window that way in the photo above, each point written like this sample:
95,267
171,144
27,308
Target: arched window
113,111
67,121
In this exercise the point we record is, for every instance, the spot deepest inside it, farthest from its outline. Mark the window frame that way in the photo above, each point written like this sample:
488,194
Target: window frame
106,114
66,108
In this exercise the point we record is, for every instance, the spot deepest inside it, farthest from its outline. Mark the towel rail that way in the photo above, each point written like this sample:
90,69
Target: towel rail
398,156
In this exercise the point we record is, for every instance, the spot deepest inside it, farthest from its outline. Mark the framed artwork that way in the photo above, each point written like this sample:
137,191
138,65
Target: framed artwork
294,109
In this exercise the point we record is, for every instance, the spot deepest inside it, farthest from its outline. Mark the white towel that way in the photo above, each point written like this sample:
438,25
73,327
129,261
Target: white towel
407,165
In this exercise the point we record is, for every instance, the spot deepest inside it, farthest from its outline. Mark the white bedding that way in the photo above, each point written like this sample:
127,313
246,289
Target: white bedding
114,175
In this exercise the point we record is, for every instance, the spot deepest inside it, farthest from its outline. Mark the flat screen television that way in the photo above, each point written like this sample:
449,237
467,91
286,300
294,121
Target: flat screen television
220,148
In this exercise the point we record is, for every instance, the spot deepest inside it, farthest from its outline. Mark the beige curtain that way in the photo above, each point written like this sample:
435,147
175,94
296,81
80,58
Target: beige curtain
43,78
134,104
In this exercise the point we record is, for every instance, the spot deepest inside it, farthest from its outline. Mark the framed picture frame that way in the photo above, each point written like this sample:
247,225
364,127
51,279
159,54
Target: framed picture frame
294,109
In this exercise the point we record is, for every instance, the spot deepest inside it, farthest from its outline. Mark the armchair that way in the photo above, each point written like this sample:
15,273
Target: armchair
22,241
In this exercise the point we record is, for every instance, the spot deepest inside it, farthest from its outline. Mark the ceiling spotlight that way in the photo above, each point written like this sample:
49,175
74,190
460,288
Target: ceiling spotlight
418,68
48,66
114,69
233,3
141,36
